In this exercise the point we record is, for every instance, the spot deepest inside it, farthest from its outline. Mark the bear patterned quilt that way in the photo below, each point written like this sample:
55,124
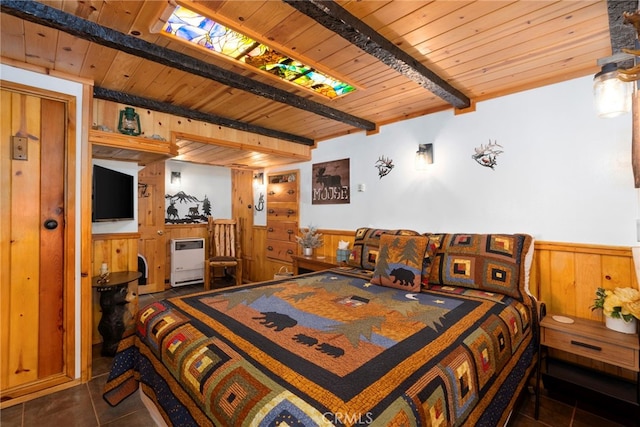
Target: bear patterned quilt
328,348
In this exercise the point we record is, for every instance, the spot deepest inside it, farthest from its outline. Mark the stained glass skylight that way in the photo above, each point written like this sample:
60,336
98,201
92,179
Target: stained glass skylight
189,26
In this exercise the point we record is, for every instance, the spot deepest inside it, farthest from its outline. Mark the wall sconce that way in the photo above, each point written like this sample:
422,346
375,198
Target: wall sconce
612,96
258,179
613,86
176,178
424,156
129,122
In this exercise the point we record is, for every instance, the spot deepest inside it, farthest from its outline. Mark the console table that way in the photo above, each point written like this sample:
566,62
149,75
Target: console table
119,305
307,264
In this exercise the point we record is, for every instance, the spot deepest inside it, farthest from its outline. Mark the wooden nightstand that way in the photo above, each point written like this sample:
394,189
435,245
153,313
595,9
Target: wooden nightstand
307,264
590,339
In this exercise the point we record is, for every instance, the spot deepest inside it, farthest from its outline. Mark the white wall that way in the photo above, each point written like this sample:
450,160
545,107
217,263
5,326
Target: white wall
565,174
214,182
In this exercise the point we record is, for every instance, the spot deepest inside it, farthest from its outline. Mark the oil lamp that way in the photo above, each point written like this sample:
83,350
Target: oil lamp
129,122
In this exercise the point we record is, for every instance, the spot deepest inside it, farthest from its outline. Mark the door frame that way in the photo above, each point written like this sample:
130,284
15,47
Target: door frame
75,265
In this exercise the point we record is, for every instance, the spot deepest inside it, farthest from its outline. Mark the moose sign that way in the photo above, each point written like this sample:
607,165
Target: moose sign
330,183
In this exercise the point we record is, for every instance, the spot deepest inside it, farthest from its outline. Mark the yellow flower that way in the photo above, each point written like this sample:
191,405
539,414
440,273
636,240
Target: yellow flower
610,303
627,294
624,301
621,303
633,308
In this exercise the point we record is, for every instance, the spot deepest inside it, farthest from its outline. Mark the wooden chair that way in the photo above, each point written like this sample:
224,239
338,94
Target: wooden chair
224,249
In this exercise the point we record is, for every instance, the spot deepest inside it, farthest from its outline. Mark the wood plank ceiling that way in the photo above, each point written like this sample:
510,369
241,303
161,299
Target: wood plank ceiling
405,58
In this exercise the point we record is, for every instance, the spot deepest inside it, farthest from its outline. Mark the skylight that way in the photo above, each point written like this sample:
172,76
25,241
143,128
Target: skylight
191,27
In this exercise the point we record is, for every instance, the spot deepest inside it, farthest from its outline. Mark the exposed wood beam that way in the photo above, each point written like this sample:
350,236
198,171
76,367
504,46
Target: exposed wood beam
625,36
165,107
337,19
54,18
622,35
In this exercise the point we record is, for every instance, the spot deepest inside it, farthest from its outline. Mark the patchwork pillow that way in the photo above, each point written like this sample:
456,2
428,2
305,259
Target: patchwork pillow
487,262
400,261
366,246
432,245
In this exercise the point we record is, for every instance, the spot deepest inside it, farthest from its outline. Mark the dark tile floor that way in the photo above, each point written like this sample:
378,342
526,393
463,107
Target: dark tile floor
567,410
83,405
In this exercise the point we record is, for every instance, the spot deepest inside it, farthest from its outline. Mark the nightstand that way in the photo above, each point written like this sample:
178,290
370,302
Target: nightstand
307,264
590,339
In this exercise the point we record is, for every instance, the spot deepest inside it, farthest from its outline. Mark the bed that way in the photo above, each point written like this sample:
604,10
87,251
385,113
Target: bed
333,348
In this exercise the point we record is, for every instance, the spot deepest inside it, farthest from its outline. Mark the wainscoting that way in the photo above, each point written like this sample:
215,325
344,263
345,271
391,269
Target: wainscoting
563,275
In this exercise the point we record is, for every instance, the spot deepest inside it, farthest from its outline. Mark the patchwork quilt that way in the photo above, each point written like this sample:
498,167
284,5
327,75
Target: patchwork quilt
328,348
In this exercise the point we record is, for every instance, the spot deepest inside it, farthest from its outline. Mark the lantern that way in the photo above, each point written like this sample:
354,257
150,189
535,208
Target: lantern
129,122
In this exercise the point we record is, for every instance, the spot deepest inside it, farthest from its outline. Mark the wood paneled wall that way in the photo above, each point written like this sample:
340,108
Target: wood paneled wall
120,252
565,276
260,268
212,141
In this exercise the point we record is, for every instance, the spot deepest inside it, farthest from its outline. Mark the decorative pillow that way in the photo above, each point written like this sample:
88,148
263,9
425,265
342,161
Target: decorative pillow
366,246
400,262
487,262
355,258
432,246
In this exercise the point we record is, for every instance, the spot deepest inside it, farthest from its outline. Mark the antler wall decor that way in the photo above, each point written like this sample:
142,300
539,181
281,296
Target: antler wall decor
486,155
384,165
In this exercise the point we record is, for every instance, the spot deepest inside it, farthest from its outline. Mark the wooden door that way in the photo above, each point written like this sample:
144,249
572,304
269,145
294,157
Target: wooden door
242,211
37,285
153,243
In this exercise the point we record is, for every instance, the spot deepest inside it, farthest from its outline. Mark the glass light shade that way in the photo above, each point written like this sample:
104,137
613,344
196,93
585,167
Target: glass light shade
424,156
612,96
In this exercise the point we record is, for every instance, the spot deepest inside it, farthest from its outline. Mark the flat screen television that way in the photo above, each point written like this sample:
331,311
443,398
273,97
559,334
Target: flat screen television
112,195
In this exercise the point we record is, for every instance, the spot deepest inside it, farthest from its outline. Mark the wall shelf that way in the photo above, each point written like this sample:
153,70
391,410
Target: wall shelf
116,146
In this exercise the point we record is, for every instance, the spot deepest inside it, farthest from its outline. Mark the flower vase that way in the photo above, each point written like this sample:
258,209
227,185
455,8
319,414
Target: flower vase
620,325
307,251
